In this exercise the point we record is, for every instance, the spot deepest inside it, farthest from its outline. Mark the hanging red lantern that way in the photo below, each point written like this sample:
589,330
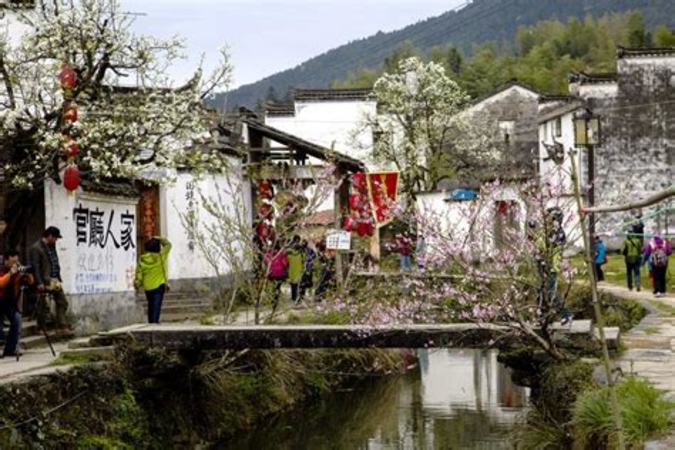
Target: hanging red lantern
359,181
71,177
70,148
355,202
70,113
349,224
67,77
362,228
265,210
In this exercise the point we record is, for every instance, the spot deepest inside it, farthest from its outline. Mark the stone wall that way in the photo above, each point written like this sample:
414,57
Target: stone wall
636,157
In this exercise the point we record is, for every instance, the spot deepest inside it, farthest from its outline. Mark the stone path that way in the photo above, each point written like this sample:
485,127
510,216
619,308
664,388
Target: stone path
33,362
650,346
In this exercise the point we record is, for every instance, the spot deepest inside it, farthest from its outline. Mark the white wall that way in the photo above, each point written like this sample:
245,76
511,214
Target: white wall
559,177
99,261
452,219
186,260
332,124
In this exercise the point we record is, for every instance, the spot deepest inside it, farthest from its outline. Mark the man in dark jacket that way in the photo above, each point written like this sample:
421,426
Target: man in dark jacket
45,262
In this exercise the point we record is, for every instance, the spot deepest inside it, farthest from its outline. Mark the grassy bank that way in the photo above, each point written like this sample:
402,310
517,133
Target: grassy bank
156,400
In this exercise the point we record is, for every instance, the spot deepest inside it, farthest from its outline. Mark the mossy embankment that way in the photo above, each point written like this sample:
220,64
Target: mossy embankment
154,399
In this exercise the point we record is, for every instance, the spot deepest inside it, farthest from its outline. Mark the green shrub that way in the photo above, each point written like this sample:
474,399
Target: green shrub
644,409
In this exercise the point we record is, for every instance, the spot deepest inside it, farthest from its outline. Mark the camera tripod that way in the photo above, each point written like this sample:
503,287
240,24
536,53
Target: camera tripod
39,324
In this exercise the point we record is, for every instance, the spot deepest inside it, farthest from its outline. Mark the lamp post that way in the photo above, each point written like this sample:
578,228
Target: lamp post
587,134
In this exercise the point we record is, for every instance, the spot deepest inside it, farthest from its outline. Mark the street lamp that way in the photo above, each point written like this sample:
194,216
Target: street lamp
587,134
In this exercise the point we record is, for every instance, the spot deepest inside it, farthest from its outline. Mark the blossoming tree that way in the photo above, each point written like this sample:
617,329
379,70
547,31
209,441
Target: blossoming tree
129,113
420,127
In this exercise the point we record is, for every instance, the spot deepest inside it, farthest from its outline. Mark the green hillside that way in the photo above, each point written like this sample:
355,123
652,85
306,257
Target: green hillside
479,22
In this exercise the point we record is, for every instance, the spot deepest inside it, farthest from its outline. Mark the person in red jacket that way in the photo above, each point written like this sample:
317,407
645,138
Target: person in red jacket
12,280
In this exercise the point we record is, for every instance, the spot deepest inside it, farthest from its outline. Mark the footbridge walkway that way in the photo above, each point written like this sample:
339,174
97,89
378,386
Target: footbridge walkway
206,337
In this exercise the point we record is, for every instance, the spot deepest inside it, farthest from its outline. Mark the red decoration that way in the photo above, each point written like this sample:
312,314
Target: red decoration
349,224
71,177
71,149
362,228
70,113
67,77
355,202
359,181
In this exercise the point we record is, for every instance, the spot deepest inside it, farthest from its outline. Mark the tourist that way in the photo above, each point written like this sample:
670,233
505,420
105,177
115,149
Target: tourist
638,227
45,261
327,270
276,263
632,252
600,258
656,253
421,253
295,267
151,275
404,245
13,279
308,271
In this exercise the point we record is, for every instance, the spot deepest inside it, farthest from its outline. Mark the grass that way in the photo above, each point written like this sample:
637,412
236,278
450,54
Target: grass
66,359
664,307
646,413
615,272
651,330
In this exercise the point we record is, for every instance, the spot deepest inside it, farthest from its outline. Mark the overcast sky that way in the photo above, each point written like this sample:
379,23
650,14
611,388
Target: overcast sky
266,36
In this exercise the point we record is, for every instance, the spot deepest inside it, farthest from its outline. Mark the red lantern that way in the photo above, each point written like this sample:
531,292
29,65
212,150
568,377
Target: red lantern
359,181
265,210
70,113
349,224
71,149
362,228
67,77
71,177
354,202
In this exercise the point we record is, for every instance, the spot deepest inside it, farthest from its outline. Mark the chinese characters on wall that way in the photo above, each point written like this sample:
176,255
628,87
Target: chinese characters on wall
94,229
191,214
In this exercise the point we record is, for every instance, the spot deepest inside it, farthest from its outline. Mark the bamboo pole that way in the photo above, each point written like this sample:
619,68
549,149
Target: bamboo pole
599,319
656,198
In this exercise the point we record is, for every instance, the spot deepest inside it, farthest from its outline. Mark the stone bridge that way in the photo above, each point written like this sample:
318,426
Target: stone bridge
203,337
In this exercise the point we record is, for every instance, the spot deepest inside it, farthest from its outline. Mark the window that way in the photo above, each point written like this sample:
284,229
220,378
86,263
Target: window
507,128
558,127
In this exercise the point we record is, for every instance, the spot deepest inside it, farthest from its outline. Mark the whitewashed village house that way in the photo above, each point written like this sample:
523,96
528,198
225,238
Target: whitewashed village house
105,224
636,111
512,109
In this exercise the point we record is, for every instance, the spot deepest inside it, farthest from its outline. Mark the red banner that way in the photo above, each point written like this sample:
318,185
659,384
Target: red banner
383,189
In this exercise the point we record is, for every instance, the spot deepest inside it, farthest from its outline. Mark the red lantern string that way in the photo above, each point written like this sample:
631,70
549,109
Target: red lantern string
361,218
71,178
71,175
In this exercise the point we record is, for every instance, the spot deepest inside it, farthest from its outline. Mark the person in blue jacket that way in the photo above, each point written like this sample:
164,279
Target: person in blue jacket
600,258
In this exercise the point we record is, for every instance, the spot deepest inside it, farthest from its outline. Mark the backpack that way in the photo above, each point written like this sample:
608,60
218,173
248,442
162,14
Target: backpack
659,257
632,250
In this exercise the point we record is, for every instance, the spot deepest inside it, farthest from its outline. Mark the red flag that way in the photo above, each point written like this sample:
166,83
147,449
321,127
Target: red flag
382,189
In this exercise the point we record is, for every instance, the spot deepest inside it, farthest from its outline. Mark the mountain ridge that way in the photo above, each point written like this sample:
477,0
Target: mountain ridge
477,22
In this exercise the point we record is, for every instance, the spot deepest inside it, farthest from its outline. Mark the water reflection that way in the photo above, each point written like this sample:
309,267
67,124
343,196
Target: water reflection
457,400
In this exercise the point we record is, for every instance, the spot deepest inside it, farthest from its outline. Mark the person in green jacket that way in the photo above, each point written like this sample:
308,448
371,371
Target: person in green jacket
296,263
151,274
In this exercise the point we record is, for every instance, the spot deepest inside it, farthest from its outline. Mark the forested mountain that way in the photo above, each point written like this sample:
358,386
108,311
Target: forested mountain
479,22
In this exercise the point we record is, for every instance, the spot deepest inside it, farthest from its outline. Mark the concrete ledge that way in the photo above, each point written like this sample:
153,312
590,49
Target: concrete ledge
177,337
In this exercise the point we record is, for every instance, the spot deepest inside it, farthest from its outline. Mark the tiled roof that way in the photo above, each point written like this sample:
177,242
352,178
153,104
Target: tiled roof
317,95
278,109
509,84
623,52
592,78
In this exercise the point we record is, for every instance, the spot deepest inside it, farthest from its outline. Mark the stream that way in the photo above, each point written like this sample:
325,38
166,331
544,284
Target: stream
457,399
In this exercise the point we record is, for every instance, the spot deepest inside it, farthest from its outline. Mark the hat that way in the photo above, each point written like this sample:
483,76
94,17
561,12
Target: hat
53,231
